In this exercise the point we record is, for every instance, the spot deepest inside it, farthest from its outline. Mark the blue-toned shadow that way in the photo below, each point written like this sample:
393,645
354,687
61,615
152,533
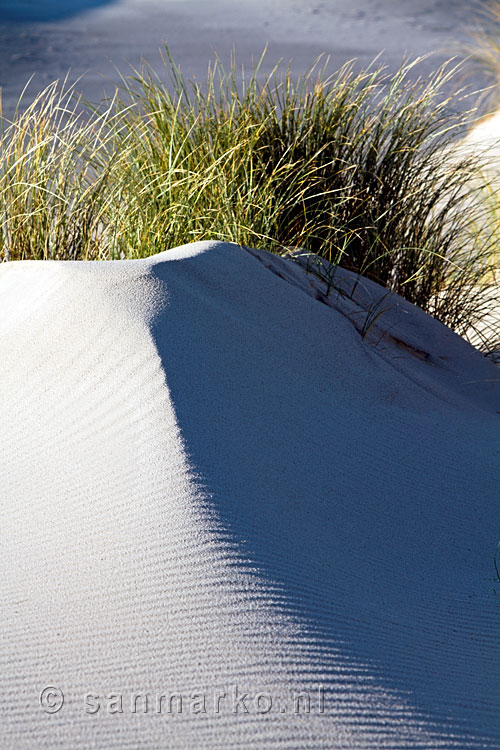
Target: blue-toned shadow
50,10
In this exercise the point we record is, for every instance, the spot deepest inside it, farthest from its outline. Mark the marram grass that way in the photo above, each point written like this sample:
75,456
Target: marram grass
360,168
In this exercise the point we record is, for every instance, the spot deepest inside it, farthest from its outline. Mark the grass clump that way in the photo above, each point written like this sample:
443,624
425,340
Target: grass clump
54,190
360,168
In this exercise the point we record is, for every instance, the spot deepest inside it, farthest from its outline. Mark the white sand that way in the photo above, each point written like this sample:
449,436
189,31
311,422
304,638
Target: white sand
209,481
483,144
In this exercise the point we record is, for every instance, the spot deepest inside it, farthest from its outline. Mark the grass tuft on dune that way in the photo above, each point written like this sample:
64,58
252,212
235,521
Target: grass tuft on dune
360,168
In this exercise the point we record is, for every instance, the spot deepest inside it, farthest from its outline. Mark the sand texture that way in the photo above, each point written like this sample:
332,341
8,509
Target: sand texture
91,37
211,482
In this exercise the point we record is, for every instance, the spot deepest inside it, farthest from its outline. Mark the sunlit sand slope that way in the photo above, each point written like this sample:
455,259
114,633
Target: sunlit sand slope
213,485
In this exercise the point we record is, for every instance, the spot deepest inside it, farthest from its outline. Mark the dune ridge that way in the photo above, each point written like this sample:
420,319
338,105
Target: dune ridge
212,481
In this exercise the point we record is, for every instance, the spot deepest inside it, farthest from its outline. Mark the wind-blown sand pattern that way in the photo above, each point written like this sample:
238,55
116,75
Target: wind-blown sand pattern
211,482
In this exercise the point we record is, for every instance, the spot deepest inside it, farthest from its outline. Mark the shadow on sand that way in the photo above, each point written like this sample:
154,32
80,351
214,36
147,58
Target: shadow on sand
257,418
50,10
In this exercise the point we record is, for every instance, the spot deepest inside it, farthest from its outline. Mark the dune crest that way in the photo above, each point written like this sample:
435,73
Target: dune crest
219,480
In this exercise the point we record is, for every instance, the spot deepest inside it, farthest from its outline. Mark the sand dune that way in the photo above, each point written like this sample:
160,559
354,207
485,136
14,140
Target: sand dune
213,484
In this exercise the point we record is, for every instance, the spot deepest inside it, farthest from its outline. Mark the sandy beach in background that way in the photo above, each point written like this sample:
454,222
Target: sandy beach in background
118,33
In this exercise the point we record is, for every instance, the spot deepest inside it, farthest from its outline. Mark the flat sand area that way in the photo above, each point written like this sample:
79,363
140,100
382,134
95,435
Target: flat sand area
88,41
